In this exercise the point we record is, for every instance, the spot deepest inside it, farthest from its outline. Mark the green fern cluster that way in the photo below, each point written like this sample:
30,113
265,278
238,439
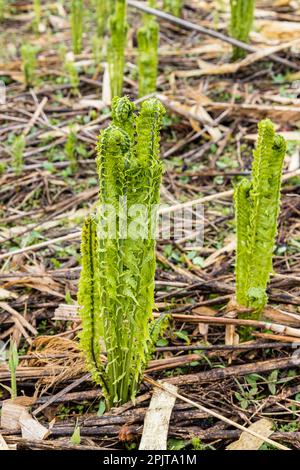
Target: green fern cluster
37,14
257,205
116,289
116,47
148,40
77,13
173,6
241,21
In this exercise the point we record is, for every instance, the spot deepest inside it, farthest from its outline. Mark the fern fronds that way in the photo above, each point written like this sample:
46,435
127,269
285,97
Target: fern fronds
173,6
241,21
157,329
148,41
257,209
77,13
129,172
116,47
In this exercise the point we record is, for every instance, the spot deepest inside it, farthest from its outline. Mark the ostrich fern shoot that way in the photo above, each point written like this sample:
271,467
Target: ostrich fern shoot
28,56
102,13
2,9
116,288
173,6
116,47
77,25
17,153
241,21
148,40
37,15
257,207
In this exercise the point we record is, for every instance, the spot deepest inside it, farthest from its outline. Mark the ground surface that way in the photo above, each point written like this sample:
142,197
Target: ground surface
207,143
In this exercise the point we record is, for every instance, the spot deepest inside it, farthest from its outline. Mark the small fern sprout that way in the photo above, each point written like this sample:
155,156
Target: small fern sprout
13,362
148,41
37,15
77,13
257,205
241,22
70,150
2,9
116,288
17,154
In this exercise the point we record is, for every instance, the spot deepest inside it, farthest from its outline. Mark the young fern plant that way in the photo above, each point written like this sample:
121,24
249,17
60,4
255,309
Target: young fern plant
28,57
116,288
17,153
257,205
173,6
116,47
241,22
102,10
37,15
148,40
77,13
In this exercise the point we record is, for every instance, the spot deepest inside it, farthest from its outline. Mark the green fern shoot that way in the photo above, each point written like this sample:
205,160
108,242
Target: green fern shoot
241,22
148,40
77,12
102,13
2,9
17,153
173,6
37,15
257,205
28,58
116,47
116,288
